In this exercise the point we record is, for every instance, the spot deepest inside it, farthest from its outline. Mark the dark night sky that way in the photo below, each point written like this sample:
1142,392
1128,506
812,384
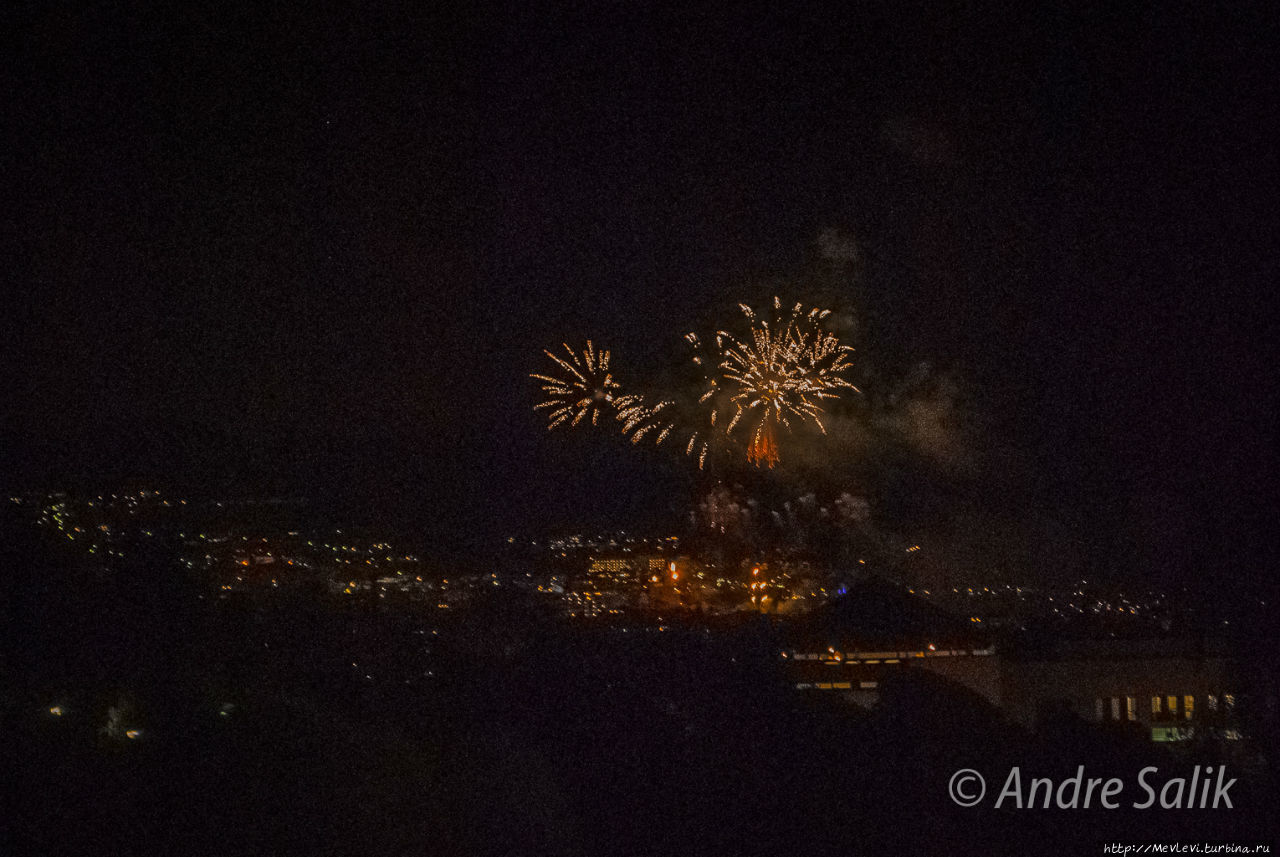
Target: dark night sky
317,250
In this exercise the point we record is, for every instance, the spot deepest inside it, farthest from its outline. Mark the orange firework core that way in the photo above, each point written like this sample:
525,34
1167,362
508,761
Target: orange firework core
764,445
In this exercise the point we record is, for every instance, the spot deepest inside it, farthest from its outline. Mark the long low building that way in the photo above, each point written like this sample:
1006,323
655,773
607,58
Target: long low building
1168,687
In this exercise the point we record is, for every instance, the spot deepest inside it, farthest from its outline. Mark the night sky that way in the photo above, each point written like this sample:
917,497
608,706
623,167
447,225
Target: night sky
317,250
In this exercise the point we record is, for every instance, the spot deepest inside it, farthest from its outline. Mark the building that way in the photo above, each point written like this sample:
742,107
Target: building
1169,689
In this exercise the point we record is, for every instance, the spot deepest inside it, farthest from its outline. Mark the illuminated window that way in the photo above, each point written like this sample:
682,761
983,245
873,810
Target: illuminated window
1155,705
1213,701
1131,707
1115,708
1188,706
1171,704
1229,701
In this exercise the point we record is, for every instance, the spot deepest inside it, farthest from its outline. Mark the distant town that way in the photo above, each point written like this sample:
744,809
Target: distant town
262,548
162,629
835,629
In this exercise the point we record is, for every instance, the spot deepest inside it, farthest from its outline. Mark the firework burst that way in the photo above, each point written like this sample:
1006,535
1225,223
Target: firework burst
584,390
782,372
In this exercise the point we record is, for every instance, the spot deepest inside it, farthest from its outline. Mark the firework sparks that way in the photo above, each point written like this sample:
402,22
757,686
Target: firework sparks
669,417
584,390
701,417
639,420
782,371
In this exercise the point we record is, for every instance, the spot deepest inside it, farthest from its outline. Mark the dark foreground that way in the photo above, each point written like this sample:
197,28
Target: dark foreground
300,729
